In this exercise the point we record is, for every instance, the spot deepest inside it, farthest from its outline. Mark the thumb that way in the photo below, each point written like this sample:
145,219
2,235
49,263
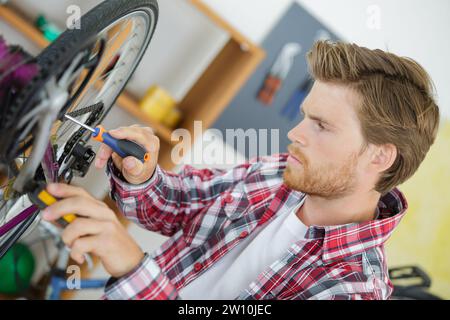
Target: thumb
132,166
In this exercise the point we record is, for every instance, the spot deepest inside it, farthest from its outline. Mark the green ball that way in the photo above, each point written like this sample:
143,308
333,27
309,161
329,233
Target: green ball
16,269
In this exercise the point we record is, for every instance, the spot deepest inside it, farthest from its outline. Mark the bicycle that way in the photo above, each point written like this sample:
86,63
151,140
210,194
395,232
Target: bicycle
80,74
411,283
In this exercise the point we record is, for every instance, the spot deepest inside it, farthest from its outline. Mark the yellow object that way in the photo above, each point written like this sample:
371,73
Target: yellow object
48,199
172,118
157,103
422,238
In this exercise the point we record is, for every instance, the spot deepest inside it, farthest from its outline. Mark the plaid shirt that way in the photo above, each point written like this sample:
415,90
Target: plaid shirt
208,212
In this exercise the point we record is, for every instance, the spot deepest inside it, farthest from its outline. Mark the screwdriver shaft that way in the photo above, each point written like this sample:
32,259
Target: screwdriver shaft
79,123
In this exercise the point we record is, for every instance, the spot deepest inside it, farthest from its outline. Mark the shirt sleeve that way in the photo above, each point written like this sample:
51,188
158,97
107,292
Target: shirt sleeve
166,202
145,282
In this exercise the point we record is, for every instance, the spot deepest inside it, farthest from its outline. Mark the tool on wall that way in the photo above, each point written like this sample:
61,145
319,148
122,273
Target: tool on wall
292,108
278,72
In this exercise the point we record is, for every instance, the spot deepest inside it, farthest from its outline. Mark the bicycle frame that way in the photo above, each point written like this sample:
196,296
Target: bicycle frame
50,167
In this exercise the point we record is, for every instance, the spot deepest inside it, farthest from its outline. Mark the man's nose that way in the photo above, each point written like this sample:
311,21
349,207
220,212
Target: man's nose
297,135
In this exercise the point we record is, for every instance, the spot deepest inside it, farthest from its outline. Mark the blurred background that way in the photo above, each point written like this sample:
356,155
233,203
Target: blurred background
208,61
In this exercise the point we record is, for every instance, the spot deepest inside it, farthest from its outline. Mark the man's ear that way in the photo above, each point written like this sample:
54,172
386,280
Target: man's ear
384,156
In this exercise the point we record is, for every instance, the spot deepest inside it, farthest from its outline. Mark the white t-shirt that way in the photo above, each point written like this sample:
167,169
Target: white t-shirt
239,267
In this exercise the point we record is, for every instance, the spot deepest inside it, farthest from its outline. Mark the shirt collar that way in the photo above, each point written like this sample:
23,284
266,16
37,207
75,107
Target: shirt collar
347,240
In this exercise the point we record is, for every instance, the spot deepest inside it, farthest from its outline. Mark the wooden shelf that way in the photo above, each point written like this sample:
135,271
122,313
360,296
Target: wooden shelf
129,104
23,26
228,78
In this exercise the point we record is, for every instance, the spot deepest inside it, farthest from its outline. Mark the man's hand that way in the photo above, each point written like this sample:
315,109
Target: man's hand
96,230
134,171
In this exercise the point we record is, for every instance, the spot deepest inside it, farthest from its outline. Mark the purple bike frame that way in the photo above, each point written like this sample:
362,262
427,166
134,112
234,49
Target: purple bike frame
51,169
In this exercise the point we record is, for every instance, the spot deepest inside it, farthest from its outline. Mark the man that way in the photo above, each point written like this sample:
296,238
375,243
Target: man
310,224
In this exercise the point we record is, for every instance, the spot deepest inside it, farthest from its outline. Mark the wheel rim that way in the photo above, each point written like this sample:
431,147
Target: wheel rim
105,87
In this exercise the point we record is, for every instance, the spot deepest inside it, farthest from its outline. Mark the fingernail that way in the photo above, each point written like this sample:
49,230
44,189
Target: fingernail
103,153
46,214
114,131
130,163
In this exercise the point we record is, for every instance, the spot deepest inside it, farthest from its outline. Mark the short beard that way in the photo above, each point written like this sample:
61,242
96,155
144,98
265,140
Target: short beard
329,182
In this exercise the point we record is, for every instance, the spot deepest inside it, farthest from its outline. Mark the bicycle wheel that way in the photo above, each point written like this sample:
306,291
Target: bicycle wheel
116,28
81,73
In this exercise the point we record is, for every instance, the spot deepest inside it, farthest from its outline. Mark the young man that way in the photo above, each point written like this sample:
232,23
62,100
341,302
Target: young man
309,224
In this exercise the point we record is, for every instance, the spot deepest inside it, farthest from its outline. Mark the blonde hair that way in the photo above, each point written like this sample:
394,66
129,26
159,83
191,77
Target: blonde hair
397,104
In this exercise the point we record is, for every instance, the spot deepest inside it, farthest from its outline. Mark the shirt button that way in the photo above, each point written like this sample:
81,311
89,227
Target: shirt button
229,198
198,266
243,234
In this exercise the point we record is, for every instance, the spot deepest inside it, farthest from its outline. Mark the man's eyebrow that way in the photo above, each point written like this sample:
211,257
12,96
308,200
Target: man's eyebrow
316,118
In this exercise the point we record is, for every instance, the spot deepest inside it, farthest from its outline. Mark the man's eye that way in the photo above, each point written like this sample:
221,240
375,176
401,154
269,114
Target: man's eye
320,125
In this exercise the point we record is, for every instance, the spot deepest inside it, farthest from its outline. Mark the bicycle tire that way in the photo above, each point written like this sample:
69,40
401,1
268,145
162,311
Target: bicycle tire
70,42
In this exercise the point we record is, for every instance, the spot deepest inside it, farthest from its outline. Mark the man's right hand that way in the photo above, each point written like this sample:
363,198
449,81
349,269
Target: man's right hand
134,171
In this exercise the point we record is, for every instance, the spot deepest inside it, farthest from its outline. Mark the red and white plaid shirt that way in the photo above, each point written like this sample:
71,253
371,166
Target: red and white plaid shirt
208,212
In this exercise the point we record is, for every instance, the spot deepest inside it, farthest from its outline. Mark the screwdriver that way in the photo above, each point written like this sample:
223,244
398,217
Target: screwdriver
42,199
123,147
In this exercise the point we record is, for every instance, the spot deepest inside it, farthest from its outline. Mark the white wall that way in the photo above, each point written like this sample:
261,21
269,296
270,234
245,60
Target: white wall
415,28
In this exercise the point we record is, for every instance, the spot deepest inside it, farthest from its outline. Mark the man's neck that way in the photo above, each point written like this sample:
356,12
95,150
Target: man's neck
355,208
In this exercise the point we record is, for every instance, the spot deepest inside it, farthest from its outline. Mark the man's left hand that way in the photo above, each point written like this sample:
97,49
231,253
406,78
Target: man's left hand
96,230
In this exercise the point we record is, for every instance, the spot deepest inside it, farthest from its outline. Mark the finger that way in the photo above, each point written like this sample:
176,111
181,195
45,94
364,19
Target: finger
63,190
83,246
81,227
120,131
117,160
79,205
132,166
142,136
103,154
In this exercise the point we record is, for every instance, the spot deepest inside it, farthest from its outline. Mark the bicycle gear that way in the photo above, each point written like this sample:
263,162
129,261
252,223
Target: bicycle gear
96,110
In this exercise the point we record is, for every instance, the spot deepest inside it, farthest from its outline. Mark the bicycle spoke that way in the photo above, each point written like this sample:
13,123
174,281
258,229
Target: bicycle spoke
94,90
122,28
103,76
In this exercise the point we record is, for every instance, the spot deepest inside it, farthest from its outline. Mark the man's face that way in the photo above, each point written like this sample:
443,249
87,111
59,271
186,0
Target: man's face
325,151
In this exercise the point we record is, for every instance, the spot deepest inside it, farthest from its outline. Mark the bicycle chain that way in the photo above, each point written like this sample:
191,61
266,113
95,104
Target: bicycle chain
84,110
97,110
